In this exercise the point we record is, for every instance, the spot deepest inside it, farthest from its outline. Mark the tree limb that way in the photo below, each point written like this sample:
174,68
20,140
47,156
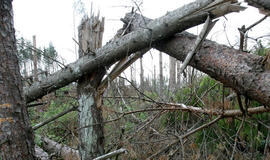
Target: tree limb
111,154
241,71
166,26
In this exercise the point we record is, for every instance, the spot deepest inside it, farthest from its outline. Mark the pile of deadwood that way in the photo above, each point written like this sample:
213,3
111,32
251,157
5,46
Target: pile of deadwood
243,72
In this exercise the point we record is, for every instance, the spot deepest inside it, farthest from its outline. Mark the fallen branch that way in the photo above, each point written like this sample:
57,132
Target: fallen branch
111,154
54,118
63,151
184,108
183,136
236,136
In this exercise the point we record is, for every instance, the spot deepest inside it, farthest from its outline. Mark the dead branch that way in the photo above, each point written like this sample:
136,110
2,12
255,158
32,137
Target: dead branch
62,150
184,136
208,25
111,154
54,118
236,136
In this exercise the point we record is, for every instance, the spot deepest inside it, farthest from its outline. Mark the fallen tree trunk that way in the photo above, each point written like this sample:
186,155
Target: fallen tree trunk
244,72
42,155
262,5
166,26
63,151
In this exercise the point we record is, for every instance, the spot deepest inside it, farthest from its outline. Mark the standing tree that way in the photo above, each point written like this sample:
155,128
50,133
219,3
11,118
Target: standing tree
49,55
161,82
141,75
172,74
16,135
24,54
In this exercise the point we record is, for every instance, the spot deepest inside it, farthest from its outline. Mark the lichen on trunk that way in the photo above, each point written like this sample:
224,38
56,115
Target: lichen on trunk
90,116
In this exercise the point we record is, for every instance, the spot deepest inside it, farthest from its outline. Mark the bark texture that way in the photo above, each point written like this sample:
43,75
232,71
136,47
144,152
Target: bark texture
63,151
16,135
262,5
244,72
124,46
90,101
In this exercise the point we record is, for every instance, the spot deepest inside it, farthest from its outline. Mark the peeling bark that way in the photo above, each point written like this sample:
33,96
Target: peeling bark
90,101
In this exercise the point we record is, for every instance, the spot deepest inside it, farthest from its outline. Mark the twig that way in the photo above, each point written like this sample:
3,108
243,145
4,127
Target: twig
256,23
237,133
184,136
208,25
35,104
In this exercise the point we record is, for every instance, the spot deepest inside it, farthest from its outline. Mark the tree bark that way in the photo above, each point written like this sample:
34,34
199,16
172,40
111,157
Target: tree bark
262,5
90,100
241,71
126,45
63,151
16,135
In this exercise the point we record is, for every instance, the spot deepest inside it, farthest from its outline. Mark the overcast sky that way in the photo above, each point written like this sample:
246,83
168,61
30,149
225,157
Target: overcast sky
52,21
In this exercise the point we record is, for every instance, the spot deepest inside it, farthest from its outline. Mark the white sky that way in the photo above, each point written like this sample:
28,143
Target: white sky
52,21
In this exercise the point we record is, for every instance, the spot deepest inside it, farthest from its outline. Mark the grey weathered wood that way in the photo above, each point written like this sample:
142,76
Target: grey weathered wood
159,29
111,154
63,151
90,100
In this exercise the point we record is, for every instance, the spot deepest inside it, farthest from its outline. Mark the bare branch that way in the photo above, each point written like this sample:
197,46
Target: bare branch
184,136
208,25
74,108
111,154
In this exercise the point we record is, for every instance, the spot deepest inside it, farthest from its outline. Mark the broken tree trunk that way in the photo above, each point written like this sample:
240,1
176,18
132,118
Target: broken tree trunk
126,45
90,101
241,71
